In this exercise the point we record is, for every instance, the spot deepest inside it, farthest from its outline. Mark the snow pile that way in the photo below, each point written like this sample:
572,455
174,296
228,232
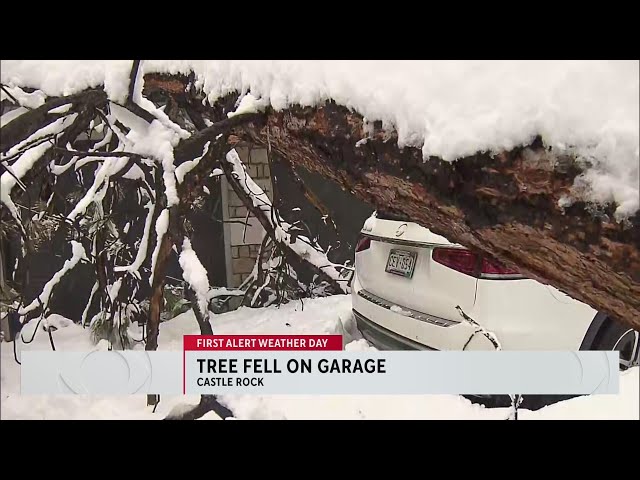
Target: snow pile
623,406
317,316
449,108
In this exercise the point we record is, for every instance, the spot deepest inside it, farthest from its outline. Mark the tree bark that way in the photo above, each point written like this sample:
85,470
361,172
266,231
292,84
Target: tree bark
505,205
157,292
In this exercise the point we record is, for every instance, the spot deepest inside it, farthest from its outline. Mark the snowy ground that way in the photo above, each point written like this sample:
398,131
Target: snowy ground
327,315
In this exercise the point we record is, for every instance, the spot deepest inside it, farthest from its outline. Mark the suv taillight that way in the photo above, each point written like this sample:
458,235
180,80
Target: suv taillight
495,269
363,244
460,260
470,263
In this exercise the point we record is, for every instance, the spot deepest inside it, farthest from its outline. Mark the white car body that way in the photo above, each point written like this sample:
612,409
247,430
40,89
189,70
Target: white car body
421,312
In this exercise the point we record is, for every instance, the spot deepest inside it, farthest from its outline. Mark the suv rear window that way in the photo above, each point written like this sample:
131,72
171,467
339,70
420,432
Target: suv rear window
399,217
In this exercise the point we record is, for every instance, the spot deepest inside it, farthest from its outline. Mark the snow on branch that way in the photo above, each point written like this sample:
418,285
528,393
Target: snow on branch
78,254
19,97
162,225
12,115
195,275
27,159
110,166
85,312
145,108
186,167
156,141
48,131
141,254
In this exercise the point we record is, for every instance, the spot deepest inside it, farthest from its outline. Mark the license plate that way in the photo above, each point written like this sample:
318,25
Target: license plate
401,262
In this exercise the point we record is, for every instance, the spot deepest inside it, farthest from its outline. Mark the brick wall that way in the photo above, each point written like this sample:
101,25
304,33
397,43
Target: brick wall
243,244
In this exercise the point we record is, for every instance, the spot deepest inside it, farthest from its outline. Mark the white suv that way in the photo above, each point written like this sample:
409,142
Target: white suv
411,288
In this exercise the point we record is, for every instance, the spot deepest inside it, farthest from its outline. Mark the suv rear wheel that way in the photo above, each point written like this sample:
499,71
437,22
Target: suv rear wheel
615,336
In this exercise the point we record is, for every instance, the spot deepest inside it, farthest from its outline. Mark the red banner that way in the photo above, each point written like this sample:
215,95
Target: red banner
263,342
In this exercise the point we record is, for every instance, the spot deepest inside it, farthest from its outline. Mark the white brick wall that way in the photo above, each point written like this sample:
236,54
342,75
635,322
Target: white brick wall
242,243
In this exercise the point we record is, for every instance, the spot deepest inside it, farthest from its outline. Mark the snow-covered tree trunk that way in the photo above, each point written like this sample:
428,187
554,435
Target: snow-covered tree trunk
513,206
520,206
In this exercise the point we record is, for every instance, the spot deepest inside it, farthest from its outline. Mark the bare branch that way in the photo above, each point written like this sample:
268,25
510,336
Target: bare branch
478,329
192,147
81,154
133,77
311,197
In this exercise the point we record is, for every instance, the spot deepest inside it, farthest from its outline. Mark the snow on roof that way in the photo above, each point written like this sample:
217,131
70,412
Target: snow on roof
449,108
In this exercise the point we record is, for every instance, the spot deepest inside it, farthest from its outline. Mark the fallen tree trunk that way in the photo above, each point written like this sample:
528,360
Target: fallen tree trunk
505,205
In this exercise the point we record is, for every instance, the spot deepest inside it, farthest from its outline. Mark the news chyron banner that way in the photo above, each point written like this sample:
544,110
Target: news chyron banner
231,362
314,365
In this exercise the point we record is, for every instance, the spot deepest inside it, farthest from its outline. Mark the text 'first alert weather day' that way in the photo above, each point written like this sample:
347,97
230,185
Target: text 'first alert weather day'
261,343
